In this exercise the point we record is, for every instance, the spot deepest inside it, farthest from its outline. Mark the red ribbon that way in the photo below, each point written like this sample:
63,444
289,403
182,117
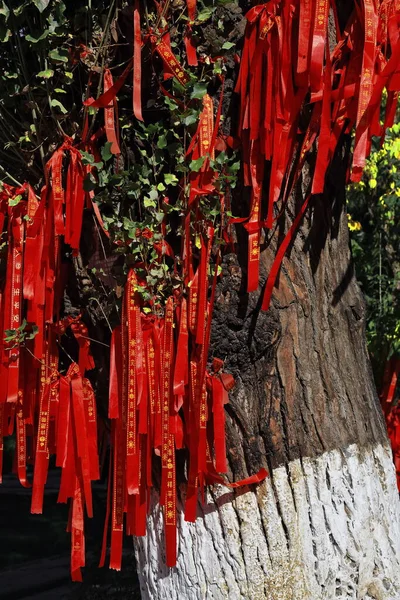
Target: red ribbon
42,452
111,115
137,63
168,483
21,443
132,453
366,88
106,99
171,61
273,274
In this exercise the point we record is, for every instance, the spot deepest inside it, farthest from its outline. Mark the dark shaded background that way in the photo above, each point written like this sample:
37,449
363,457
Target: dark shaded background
35,549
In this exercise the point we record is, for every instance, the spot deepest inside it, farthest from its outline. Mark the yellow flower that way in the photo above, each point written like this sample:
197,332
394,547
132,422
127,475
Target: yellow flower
353,225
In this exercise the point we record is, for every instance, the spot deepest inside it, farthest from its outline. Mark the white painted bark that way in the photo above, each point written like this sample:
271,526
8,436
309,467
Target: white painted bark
319,529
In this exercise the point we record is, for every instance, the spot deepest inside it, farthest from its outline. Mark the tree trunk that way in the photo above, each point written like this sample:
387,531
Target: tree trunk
320,528
325,525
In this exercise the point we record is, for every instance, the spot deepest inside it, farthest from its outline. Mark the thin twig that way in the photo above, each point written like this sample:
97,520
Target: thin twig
162,14
96,341
42,362
102,310
105,34
10,176
64,350
33,109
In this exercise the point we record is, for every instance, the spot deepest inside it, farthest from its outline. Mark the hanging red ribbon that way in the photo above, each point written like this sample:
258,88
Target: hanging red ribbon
111,116
137,63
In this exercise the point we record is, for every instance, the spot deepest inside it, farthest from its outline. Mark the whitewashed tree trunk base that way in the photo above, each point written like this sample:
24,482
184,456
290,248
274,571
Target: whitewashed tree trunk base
319,529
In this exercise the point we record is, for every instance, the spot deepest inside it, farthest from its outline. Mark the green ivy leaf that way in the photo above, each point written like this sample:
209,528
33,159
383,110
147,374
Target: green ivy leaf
195,165
87,158
170,179
148,203
221,158
103,178
106,152
35,40
41,5
59,55
19,9
33,333
162,142
199,90
15,201
5,34
47,74
227,45
204,14
4,10
190,119
57,104
153,194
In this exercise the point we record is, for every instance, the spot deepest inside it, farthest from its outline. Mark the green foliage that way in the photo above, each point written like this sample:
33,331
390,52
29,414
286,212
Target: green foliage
374,222
18,336
155,186
53,56
47,48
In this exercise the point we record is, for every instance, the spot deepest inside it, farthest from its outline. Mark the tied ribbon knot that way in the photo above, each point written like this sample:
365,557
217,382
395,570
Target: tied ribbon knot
264,13
256,12
67,143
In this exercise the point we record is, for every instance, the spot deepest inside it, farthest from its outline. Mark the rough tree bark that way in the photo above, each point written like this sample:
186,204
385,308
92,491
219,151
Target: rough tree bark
326,524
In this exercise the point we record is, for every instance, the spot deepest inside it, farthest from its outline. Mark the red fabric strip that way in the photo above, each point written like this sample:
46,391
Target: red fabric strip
115,374
318,44
273,274
117,517
77,535
366,89
220,397
137,63
21,443
304,45
172,62
109,115
3,407
181,373
108,511
41,457
63,422
132,450
256,478
107,97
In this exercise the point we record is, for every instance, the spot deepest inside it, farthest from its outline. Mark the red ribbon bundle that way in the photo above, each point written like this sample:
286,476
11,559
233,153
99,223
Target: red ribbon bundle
162,397
53,414
286,64
391,408
161,400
